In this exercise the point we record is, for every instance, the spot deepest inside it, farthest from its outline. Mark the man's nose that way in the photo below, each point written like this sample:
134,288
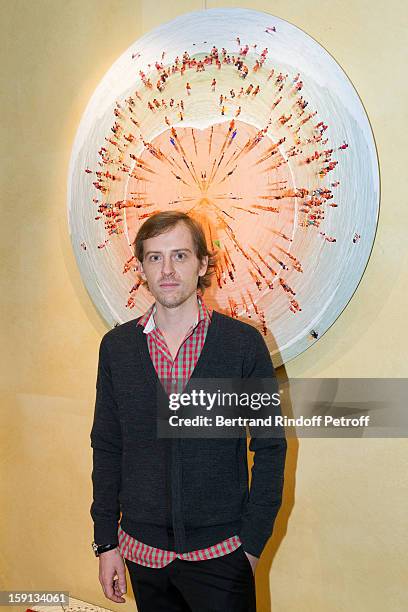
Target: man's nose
168,266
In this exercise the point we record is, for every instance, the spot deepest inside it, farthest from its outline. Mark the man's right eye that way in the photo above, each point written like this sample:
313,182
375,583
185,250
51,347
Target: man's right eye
154,257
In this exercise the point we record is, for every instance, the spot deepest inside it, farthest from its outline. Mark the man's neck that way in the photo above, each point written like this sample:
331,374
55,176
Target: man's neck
178,319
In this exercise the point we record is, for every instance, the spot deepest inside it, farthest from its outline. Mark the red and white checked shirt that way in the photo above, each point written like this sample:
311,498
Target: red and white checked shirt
174,372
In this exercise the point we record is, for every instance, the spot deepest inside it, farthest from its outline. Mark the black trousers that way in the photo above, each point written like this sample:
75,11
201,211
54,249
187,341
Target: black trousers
224,584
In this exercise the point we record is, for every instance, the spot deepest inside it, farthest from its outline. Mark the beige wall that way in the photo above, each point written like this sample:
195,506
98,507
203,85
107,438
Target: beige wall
338,544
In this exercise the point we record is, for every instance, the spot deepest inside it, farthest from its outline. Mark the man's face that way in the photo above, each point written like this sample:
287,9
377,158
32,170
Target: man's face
171,266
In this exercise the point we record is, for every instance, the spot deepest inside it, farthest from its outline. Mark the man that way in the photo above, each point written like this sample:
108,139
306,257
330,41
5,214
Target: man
190,531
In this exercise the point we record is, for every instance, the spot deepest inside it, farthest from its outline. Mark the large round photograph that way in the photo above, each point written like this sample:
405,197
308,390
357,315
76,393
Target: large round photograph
246,123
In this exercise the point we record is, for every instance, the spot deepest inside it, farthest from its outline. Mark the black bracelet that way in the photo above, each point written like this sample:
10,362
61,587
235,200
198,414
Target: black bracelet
101,548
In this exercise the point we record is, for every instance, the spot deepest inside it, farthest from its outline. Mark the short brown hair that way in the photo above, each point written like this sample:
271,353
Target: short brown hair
161,222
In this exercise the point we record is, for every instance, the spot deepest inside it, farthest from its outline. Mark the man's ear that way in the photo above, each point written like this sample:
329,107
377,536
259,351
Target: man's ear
139,268
203,266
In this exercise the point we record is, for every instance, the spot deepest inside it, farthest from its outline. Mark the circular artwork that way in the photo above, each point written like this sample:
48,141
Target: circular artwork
247,124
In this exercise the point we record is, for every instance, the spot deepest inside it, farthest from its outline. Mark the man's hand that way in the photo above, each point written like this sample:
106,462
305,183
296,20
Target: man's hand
253,560
112,575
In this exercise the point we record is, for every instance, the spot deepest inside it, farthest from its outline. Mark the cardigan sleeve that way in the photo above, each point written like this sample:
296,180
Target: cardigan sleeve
106,441
265,494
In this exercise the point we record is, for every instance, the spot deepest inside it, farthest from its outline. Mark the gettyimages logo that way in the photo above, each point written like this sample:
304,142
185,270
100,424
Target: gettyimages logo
207,401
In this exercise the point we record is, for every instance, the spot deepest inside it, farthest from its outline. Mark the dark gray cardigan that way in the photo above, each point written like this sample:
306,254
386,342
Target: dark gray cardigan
179,494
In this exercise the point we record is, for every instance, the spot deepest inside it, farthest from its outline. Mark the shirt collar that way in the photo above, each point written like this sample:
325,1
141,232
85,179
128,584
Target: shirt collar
148,322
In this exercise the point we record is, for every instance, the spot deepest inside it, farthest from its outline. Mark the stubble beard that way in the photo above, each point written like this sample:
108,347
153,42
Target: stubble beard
174,301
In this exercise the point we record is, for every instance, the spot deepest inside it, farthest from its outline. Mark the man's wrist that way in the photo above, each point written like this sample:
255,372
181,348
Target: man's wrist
99,549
